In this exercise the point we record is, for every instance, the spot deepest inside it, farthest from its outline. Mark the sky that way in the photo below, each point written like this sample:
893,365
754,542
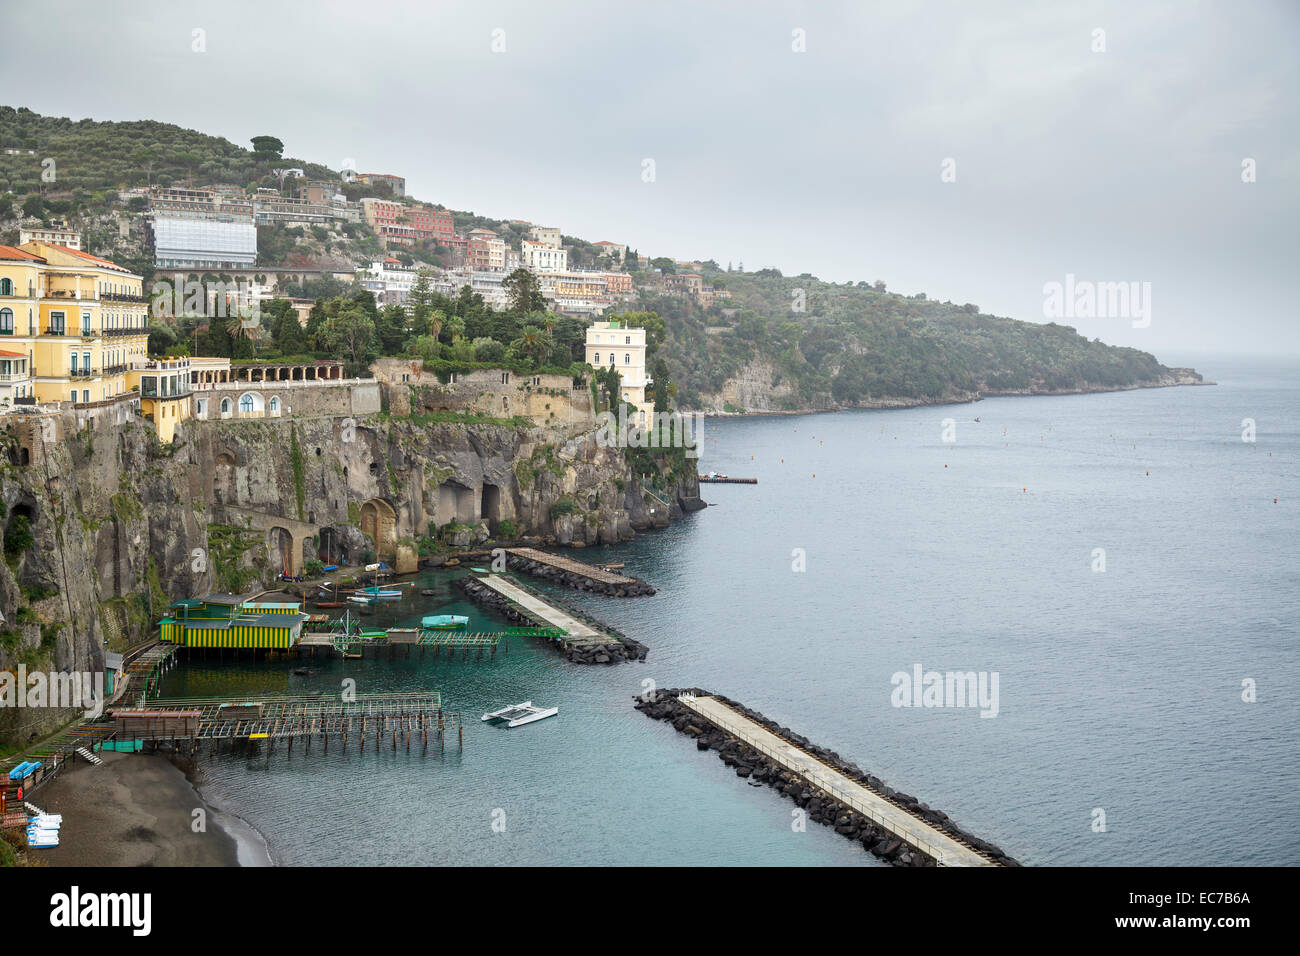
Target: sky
973,152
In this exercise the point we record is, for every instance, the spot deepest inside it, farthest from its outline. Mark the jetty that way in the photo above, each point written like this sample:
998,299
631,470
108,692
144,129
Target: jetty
724,480
891,825
582,640
575,574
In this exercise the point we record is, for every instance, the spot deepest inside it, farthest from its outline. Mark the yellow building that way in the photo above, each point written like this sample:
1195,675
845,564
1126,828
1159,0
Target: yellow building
165,391
19,280
88,325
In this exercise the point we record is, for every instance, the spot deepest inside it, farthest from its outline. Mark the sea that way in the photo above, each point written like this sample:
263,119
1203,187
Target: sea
1121,568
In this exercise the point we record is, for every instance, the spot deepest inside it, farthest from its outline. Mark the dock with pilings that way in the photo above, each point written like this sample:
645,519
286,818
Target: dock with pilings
893,826
185,723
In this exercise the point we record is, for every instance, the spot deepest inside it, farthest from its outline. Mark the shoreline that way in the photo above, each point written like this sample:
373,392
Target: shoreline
903,403
139,810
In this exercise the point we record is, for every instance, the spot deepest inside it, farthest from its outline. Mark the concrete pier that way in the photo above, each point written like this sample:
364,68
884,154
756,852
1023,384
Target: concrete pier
912,830
535,607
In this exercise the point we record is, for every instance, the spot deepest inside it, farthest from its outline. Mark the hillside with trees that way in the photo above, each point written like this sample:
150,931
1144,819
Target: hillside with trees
778,343
814,344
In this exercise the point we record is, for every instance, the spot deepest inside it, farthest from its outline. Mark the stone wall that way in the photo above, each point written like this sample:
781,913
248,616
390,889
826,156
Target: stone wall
344,398
548,400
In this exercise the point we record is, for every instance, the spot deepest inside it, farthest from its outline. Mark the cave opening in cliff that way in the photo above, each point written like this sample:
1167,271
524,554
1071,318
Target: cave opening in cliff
330,548
491,509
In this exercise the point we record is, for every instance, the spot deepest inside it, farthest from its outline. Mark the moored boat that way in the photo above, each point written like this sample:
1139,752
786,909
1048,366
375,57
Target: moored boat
443,622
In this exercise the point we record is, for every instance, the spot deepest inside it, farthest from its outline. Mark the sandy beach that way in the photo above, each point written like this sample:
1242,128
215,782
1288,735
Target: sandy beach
138,810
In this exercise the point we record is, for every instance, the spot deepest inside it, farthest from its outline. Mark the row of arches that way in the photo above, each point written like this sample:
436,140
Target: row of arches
247,405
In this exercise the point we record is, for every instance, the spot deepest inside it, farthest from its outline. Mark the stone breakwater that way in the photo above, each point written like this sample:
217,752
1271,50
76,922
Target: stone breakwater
579,582
614,648
822,808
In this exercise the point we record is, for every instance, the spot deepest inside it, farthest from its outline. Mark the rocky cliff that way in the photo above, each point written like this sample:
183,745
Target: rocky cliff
104,527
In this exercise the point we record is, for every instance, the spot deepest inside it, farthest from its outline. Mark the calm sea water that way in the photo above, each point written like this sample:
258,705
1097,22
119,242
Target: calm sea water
1118,690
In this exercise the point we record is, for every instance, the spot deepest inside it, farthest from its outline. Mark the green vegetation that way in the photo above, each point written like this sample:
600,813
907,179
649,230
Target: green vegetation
542,460
226,547
18,537
563,506
507,530
858,343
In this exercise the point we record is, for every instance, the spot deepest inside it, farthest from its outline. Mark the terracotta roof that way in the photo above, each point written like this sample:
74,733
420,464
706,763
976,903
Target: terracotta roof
89,258
10,252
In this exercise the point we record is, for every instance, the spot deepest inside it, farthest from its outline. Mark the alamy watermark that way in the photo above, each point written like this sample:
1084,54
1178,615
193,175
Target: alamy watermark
1085,299
60,690
661,430
922,688
176,297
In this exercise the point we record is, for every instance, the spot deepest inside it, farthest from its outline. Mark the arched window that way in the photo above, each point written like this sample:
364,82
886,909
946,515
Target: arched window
6,287
6,321
275,406
597,359
225,406
627,359
246,403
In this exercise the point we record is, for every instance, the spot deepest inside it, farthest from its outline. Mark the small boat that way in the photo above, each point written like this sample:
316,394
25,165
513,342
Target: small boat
375,591
328,605
977,418
301,671
362,598
428,592
443,622
525,713
330,567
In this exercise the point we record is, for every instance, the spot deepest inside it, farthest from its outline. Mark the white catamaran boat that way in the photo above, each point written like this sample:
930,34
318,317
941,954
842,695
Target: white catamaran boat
524,713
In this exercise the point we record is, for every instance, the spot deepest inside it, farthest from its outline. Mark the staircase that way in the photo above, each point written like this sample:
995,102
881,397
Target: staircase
89,757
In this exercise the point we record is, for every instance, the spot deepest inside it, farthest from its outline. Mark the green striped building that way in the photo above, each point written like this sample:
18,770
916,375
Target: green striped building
233,621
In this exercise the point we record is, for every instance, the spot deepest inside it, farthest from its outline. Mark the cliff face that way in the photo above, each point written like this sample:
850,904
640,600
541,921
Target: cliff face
758,388
104,527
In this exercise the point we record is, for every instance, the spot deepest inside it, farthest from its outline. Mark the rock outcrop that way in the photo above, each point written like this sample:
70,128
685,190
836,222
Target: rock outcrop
105,527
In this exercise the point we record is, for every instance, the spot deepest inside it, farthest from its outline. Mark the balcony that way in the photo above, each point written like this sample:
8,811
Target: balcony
121,297
7,377
55,330
114,369
83,373
135,330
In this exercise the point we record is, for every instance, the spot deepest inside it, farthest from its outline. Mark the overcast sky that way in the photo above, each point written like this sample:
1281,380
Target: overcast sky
1122,165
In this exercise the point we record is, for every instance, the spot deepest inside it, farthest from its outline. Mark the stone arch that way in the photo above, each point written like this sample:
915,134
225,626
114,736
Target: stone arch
379,521
279,544
251,403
